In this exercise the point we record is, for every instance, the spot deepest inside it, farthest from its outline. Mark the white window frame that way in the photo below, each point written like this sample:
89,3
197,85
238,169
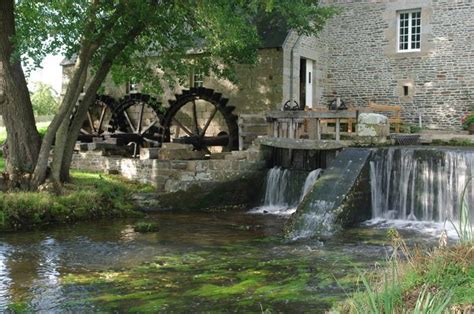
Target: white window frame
410,33
198,79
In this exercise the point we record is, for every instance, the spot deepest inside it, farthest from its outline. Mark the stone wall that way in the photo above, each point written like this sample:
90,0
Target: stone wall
307,47
174,175
364,65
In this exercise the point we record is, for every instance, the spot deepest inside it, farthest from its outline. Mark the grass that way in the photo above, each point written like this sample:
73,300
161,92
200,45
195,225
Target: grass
89,196
417,281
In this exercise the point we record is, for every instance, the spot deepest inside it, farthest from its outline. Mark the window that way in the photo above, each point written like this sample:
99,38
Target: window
409,30
198,79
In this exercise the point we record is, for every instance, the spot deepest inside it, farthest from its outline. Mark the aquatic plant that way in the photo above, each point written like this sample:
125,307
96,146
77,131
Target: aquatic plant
144,226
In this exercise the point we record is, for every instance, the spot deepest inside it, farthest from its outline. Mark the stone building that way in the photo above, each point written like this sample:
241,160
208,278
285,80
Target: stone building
418,54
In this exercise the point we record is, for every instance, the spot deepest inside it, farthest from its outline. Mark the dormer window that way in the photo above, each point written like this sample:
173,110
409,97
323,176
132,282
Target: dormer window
409,30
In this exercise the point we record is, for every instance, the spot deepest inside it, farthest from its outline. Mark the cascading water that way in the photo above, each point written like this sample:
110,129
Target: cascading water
284,190
421,184
309,182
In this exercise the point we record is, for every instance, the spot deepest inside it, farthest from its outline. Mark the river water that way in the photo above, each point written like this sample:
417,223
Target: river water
232,261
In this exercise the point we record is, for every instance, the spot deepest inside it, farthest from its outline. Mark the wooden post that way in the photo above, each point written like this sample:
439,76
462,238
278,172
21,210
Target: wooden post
318,129
241,131
312,128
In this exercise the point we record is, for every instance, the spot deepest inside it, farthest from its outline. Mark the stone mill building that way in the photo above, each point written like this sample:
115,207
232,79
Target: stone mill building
416,54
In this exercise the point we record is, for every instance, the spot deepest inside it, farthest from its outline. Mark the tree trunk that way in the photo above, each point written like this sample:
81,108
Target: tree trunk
23,139
61,138
89,98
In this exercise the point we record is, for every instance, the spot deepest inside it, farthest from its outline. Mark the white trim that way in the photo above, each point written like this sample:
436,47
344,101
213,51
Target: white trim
309,83
410,25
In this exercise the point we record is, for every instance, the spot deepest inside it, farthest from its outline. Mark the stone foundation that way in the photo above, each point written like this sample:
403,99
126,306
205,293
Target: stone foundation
174,175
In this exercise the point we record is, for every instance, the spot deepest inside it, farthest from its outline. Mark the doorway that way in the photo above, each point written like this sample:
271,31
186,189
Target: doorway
306,82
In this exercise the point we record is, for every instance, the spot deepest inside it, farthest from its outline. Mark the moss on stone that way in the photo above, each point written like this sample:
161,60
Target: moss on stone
243,192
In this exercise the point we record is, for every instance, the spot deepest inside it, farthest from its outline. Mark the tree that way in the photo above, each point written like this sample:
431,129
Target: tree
23,139
109,36
44,100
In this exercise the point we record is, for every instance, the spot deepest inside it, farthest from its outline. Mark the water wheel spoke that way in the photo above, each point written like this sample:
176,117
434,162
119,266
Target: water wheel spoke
195,119
185,129
129,121
101,119
149,126
140,119
207,150
91,122
208,122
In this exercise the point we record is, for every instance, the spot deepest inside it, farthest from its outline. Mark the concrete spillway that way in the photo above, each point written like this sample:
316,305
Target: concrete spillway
339,198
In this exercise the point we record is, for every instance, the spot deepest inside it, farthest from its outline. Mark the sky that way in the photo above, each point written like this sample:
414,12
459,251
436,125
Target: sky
50,74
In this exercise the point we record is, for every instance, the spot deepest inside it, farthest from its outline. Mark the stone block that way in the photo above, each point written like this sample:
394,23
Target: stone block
180,154
177,146
168,173
236,155
179,165
186,176
97,140
149,153
373,125
202,165
163,164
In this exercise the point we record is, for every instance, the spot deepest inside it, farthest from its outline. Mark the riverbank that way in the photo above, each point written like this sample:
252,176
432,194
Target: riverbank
89,196
418,280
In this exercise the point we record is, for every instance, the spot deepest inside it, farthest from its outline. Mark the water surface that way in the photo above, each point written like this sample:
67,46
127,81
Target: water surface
231,261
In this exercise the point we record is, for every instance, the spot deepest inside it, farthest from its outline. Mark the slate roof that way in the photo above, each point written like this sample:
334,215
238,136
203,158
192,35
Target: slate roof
272,31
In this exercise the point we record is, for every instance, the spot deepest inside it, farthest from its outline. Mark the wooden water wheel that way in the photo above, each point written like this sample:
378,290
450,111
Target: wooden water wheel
201,117
99,118
137,119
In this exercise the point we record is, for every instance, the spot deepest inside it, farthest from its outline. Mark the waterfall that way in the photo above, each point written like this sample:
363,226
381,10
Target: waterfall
421,184
309,182
285,189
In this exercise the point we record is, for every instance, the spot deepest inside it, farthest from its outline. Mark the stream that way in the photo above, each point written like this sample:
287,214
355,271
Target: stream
227,261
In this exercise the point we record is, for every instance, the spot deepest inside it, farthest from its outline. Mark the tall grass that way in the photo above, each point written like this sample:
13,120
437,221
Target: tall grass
464,228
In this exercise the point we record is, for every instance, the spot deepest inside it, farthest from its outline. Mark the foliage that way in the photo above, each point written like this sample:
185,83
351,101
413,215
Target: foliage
222,33
415,128
462,142
90,196
144,226
44,101
467,120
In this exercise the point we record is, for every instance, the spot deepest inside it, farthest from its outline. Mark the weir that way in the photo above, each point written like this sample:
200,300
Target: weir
285,188
421,184
396,183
